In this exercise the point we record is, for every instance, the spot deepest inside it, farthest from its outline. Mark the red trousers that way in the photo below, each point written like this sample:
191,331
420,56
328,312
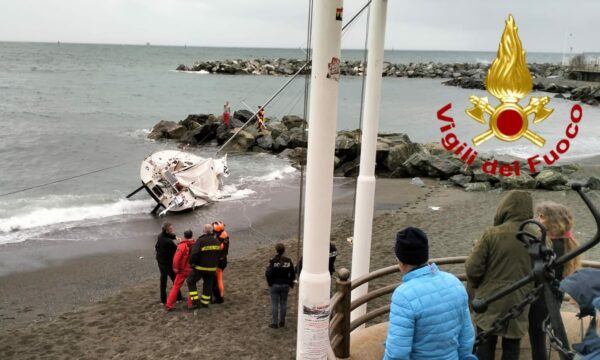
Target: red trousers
179,280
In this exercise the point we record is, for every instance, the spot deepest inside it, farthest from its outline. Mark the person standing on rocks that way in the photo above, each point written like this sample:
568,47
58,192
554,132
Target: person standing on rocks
181,267
280,276
260,115
429,313
165,250
497,260
226,115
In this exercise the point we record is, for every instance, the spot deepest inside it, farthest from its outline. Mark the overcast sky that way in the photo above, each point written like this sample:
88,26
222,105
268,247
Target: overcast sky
412,24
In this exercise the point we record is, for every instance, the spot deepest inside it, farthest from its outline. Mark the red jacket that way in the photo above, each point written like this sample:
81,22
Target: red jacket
182,255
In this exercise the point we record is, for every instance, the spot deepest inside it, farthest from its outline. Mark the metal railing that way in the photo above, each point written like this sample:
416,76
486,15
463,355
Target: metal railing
342,305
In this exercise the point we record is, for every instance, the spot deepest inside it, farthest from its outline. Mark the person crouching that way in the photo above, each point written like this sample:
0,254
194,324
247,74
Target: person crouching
429,314
180,266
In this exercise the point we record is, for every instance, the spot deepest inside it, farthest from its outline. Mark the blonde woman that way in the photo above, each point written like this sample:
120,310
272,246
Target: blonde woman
558,221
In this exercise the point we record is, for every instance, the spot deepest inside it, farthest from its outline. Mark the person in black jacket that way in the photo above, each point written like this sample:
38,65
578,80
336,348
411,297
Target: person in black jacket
165,250
204,259
332,256
280,278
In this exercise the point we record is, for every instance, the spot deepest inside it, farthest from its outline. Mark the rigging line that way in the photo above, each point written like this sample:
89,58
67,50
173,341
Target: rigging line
362,104
305,115
65,179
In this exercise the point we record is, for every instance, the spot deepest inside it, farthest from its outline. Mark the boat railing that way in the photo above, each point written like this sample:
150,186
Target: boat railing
340,324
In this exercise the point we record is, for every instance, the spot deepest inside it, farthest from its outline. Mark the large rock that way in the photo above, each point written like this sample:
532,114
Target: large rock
478,186
297,156
242,142
396,138
461,180
347,144
243,115
297,138
480,176
348,169
282,142
161,129
426,164
593,183
276,128
398,154
523,181
200,135
548,179
293,121
264,140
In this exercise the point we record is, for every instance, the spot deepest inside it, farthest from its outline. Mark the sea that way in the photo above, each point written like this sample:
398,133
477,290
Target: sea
84,111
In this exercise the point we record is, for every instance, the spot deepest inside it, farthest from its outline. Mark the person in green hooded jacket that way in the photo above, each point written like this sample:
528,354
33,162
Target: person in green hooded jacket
499,259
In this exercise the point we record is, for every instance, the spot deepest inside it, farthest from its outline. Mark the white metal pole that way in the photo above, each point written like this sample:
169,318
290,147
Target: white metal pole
365,192
313,304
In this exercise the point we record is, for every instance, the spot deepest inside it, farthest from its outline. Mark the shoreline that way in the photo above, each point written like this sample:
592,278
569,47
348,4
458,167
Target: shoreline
128,322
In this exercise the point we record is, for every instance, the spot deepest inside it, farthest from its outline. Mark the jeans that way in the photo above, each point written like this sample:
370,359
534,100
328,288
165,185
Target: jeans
487,350
279,295
166,270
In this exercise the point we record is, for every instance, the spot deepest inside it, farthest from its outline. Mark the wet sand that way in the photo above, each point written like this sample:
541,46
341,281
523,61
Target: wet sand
110,301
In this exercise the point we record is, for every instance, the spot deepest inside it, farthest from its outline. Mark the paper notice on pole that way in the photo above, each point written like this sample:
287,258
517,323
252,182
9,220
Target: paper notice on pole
315,337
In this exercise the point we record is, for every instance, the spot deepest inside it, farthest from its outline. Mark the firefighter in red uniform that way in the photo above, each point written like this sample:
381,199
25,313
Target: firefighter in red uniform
180,266
218,285
204,259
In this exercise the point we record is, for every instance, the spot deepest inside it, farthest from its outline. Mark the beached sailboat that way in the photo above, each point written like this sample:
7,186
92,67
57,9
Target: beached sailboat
180,181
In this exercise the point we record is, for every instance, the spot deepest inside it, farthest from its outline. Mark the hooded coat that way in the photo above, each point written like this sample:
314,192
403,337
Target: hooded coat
584,287
499,259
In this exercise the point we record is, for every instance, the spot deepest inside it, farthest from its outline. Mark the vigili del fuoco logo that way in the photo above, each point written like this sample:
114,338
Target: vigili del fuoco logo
509,81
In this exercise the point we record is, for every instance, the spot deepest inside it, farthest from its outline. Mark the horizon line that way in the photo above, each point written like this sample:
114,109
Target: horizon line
258,47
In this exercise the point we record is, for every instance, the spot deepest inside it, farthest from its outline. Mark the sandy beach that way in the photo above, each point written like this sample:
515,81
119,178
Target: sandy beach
100,306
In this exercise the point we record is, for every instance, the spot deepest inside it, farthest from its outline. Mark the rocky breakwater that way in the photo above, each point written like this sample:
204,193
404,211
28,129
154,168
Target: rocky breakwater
397,155
357,68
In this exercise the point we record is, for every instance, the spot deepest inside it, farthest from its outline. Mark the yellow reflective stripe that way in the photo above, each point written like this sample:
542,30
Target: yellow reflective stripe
205,302
206,297
193,293
211,247
202,268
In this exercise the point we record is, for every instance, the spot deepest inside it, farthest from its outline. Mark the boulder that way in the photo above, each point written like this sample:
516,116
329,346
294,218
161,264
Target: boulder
548,179
243,115
282,142
276,128
297,138
264,140
161,129
480,176
297,156
593,183
398,154
201,135
461,180
423,163
523,181
435,148
396,138
348,169
182,67
478,186
566,169
293,121
242,142
347,144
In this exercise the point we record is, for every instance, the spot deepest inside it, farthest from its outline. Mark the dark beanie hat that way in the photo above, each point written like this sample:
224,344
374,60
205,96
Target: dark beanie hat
412,246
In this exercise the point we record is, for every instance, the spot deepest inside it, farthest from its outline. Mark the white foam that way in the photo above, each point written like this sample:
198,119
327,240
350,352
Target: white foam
51,216
201,72
273,175
231,192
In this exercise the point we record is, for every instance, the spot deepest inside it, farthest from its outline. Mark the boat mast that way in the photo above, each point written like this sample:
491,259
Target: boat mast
365,188
315,281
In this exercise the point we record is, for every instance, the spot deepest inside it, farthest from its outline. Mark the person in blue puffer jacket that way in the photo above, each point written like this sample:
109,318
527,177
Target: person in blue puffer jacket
429,315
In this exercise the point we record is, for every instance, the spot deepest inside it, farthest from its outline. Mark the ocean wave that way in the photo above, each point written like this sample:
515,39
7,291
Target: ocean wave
201,72
273,175
44,217
231,192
